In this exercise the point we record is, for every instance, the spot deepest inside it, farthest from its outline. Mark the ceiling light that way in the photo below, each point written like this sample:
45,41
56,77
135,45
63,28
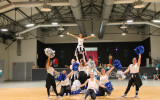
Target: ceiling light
123,26
61,35
130,21
30,25
54,23
45,7
123,34
156,20
61,28
92,35
139,4
4,29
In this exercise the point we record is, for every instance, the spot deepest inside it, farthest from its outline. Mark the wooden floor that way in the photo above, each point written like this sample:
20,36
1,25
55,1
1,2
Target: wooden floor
146,93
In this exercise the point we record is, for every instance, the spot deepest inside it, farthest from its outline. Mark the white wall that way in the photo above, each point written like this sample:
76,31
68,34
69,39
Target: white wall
28,53
4,56
155,46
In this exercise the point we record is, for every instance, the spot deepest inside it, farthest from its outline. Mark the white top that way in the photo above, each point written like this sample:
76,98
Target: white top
92,84
81,68
104,79
80,41
50,70
65,82
134,68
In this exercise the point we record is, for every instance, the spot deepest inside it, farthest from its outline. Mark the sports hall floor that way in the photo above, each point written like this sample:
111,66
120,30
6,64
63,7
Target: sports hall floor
35,90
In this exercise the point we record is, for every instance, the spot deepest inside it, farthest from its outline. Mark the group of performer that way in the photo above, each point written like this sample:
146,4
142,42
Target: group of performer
83,71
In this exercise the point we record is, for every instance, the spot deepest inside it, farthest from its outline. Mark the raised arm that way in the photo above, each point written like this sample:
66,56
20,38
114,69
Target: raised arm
126,70
47,65
84,56
108,72
58,83
139,60
99,74
89,37
84,84
77,58
70,74
100,84
72,35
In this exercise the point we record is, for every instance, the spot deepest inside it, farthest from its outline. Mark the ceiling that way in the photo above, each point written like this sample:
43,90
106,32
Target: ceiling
15,19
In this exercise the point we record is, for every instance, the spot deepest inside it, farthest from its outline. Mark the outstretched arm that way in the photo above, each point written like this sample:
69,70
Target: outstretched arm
99,74
89,37
127,70
56,72
58,83
100,84
70,74
72,35
77,58
83,56
139,60
84,84
108,72
47,65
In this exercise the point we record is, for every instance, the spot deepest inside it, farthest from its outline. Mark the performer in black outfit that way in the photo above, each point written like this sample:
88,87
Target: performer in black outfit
50,81
135,78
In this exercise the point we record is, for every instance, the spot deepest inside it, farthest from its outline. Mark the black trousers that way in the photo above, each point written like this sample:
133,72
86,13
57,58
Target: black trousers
130,83
91,93
50,81
65,89
102,91
82,78
74,77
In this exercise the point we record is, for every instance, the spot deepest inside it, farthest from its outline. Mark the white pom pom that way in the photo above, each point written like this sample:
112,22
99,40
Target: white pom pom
76,85
49,52
120,75
91,64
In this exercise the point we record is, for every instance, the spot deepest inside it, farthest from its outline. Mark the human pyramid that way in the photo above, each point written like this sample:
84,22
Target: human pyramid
82,76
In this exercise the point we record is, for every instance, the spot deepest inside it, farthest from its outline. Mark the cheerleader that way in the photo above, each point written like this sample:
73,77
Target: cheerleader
90,65
80,47
104,78
134,76
74,75
65,85
50,81
82,70
91,89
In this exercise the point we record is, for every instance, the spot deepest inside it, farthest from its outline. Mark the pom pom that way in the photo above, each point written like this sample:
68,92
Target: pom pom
109,86
76,92
139,50
98,93
75,66
120,75
76,85
61,77
49,52
117,64
91,64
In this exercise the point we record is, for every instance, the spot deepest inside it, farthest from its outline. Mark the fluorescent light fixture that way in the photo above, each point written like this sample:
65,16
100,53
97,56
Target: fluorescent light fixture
139,4
156,20
61,35
30,25
123,34
130,21
4,29
45,7
92,35
54,23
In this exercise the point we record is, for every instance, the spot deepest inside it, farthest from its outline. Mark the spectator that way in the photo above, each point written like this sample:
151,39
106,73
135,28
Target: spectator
55,62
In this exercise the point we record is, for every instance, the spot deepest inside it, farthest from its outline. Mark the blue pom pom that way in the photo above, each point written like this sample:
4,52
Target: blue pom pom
98,93
109,86
61,77
139,50
117,64
75,92
75,66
